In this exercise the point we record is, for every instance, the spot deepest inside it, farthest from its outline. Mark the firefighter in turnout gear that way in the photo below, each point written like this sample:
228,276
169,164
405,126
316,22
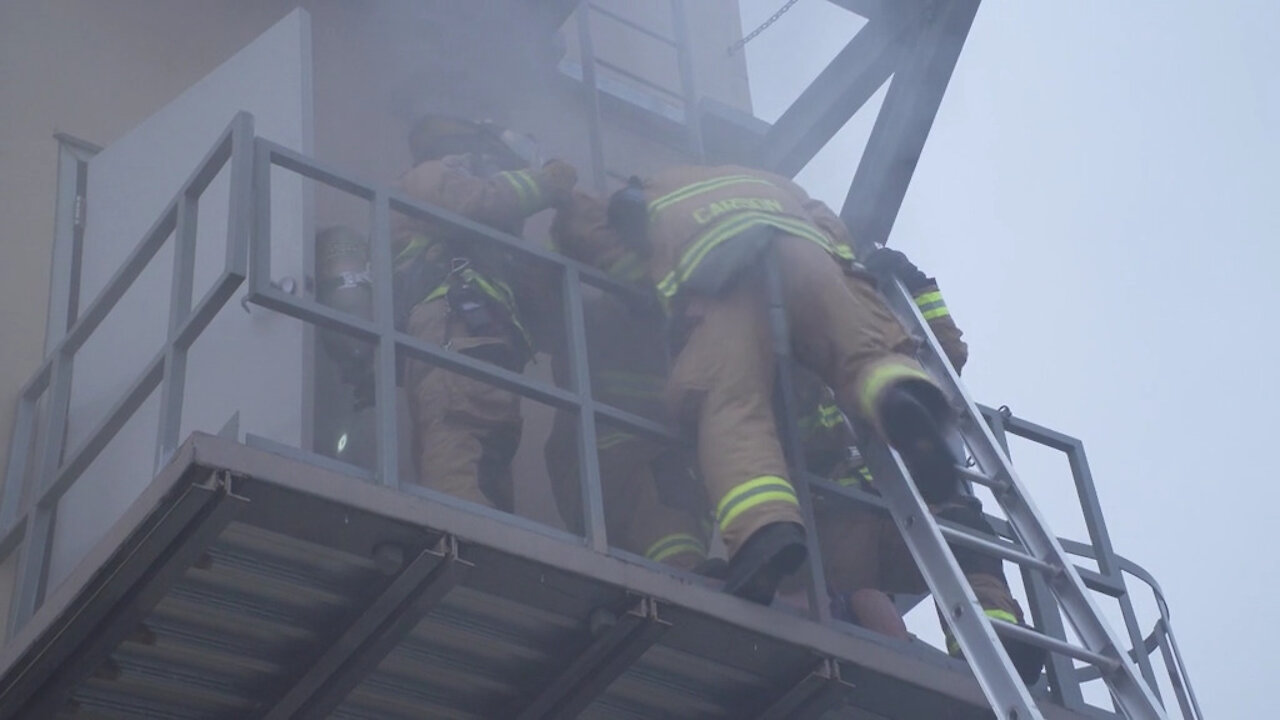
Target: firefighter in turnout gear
703,232
455,291
866,556
626,350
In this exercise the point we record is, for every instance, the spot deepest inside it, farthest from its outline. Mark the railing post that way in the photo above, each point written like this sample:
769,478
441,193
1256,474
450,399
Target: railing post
384,378
588,456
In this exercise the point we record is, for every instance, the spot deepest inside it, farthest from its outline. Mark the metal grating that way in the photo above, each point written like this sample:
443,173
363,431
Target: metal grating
294,608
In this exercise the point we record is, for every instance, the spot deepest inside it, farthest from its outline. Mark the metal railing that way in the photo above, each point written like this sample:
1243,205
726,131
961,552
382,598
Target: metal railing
40,473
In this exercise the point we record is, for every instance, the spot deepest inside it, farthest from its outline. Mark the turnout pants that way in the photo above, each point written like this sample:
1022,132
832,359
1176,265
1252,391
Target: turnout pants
722,380
465,431
635,518
863,549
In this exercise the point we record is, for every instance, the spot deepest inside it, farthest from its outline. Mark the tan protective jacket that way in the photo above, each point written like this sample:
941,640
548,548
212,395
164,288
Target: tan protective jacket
694,210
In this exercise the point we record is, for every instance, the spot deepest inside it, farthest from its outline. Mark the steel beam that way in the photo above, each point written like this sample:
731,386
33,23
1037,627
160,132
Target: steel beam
812,697
376,629
901,128
157,556
838,92
872,9
554,13
593,670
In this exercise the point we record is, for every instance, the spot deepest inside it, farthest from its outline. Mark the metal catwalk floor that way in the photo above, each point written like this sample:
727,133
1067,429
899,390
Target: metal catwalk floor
245,584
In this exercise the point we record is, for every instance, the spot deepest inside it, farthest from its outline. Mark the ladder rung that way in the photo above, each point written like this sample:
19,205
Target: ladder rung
984,480
1017,632
1001,550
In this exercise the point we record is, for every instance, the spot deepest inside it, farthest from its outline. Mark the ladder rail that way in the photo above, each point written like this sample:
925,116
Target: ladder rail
1008,697
1131,695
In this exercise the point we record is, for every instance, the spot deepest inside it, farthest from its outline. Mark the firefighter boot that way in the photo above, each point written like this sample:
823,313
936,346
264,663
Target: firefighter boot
1027,659
771,554
919,433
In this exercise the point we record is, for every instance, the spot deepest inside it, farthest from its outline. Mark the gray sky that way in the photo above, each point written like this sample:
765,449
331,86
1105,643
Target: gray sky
1097,199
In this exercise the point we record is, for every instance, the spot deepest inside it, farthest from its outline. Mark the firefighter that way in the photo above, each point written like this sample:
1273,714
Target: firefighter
626,350
457,292
864,553
702,232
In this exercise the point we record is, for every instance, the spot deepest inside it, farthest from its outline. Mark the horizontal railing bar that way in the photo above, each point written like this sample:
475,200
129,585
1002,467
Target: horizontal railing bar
105,431
488,372
121,281
636,423
313,169
151,243
39,381
315,313
404,204
1028,430
853,494
207,309
210,166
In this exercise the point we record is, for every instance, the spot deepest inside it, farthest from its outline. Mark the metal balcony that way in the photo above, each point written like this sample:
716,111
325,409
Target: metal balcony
252,580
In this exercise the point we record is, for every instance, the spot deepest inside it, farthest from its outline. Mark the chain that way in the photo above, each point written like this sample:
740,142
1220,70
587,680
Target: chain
734,48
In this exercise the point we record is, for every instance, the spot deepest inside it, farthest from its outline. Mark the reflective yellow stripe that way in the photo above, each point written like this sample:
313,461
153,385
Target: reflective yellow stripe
698,188
998,614
613,439
953,647
495,289
829,416
418,243
932,305
675,544
526,187
439,292
733,226
929,297
882,377
751,494
629,267
861,477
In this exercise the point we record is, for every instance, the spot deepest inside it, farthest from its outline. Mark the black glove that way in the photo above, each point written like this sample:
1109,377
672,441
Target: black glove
886,262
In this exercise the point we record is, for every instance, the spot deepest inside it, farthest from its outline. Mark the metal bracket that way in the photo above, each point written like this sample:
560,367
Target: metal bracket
373,633
609,655
812,697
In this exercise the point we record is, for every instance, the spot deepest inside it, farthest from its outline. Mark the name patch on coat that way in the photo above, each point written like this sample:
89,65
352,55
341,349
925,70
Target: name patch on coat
707,213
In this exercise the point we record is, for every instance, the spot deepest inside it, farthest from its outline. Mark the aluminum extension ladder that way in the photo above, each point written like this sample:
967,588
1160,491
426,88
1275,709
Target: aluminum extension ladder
978,635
